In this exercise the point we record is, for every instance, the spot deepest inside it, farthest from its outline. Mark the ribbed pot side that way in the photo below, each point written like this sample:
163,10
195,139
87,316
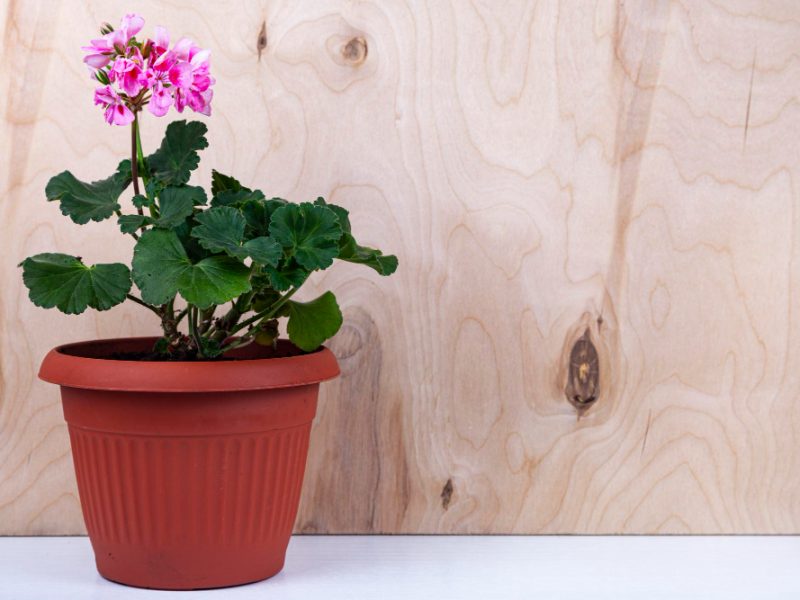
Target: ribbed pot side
185,489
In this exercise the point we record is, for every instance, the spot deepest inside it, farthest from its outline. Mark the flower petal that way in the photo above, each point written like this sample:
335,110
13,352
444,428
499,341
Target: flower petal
132,24
162,37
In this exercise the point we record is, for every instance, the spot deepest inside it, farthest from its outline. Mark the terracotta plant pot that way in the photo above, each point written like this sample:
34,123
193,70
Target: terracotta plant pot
189,473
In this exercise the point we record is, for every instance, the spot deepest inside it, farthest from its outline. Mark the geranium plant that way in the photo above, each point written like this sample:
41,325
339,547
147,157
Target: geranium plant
220,269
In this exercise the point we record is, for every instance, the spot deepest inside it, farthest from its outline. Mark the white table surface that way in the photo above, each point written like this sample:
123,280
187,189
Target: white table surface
444,567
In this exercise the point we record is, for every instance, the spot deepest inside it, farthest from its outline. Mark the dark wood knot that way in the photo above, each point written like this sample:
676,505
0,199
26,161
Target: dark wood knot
447,494
583,378
355,51
261,42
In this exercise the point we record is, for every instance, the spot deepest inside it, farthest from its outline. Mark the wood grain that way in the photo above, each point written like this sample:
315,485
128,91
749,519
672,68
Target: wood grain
545,171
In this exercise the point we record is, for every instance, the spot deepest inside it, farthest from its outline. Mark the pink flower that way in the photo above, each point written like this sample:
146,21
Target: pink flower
100,52
162,38
183,49
116,112
130,25
161,101
177,76
192,80
127,72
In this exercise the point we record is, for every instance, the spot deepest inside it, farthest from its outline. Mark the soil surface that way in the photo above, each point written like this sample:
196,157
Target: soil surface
248,353
156,357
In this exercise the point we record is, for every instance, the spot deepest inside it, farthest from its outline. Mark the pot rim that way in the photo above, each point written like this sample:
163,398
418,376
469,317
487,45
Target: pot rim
67,369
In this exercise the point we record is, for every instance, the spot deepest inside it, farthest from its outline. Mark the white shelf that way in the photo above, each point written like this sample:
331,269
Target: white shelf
450,567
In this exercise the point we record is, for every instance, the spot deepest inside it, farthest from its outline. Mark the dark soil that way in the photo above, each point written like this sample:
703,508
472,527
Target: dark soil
156,357
246,353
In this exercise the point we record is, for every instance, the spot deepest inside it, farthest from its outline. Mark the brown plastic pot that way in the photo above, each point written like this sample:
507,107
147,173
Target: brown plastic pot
189,473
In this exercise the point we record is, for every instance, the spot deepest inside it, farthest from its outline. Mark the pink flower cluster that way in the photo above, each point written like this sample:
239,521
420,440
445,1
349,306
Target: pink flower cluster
148,73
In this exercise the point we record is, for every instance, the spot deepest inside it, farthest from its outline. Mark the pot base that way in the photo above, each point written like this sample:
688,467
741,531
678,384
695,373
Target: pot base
144,568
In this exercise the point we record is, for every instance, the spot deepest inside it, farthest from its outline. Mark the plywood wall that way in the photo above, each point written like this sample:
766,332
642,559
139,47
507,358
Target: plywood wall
625,174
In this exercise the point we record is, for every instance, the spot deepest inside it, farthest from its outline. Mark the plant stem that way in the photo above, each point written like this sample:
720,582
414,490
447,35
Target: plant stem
140,155
265,314
143,303
219,330
206,317
169,325
193,310
135,150
240,343
181,314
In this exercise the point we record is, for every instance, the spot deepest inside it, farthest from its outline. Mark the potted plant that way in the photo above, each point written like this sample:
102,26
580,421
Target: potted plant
190,448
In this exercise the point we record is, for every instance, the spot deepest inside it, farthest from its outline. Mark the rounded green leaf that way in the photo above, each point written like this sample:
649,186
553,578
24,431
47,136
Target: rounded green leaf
263,250
311,323
310,233
220,229
286,276
214,280
132,223
341,213
83,202
178,202
161,268
64,282
158,262
176,158
221,183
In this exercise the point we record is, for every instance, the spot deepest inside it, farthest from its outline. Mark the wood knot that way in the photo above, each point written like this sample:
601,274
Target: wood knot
583,375
261,42
355,51
349,340
447,494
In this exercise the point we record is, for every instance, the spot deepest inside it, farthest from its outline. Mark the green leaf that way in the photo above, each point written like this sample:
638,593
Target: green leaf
193,249
161,269
158,262
341,213
286,276
310,233
350,251
142,201
220,230
63,281
263,250
83,202
132,223
124,170
236,197
177,157
161,346
311,323
177,203
214,280
210,348
221,182
264,299
153,188
258,214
